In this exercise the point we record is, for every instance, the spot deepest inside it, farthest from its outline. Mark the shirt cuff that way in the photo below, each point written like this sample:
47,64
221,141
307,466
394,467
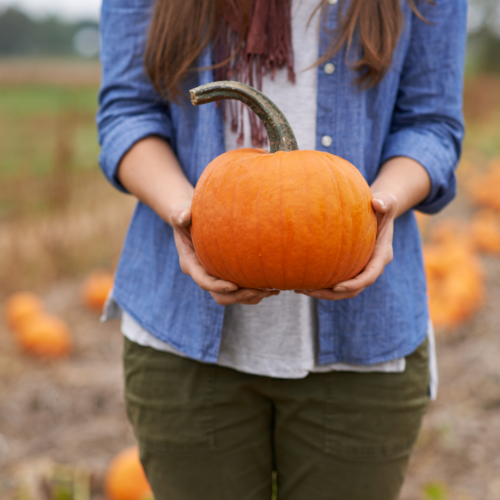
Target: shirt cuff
438,158
123,136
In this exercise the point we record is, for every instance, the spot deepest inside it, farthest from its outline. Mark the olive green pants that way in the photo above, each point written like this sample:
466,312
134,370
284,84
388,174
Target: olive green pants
212,433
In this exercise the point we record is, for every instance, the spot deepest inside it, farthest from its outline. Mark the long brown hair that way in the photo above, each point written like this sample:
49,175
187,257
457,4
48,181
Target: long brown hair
181,29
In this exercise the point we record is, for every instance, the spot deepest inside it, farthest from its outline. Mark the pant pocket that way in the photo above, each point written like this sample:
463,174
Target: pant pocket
376,415
169,400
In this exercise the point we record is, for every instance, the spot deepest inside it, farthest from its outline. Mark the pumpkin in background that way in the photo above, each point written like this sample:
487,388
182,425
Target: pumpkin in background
450,230
283,220
485,231
484,189
455,282
96,289
125,478
20,307
46,336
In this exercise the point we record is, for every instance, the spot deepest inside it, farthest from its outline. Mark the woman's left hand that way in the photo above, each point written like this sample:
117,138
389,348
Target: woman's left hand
385,206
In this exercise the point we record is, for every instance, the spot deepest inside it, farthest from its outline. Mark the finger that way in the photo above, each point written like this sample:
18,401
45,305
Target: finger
329,294
243,296
205,281
384,203
367,277
259,298
181,216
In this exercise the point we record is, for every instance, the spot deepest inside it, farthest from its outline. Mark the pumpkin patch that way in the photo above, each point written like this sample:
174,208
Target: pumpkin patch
455,283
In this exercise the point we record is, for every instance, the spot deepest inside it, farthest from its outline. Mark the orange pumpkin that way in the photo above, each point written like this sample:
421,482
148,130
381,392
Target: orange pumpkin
455,282
287,219
45,335
96,289
450,230
20,307
125,479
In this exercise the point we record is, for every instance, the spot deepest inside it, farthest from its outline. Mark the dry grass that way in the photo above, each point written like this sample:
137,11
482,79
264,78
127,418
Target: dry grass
54,72
59,217
87,232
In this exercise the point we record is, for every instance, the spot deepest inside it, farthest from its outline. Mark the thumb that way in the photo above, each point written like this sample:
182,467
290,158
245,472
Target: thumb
384,203
181,216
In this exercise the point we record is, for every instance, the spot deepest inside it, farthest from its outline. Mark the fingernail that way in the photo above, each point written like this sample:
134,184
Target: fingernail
182,216
382,204
249,295
340,289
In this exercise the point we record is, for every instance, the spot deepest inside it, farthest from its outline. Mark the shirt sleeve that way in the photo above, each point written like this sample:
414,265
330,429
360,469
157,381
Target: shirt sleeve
129,107
427,123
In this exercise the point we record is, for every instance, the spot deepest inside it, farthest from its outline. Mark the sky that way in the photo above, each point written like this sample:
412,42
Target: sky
70,10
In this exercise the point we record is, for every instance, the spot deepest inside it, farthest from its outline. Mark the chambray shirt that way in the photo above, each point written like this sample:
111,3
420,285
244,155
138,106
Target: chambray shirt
415,112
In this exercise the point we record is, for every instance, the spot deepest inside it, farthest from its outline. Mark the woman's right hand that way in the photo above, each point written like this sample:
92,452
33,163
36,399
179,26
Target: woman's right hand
223,292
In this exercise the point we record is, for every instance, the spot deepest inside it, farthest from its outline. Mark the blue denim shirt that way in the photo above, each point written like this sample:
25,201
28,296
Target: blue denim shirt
415,112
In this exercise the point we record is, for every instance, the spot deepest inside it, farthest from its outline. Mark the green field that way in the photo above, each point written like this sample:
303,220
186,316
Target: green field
42,126
39,124
59,217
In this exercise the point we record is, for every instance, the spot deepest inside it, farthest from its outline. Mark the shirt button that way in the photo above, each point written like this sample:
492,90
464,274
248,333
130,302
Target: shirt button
332,2
329,68
326,140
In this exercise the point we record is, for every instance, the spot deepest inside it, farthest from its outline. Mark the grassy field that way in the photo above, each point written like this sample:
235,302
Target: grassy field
39,123
58,216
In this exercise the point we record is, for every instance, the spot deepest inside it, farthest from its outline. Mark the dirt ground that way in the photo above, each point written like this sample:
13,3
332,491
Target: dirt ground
72,411
459,444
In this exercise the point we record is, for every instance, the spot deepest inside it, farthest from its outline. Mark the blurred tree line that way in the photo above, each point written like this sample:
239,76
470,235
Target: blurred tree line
20,35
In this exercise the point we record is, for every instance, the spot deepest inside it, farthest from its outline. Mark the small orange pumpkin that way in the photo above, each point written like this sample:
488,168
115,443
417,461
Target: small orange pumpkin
450,230
21,306
45,335
455,282
96,289
125,479
287,219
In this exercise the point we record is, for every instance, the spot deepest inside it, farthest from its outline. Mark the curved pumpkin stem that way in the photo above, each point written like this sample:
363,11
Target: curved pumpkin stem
281,137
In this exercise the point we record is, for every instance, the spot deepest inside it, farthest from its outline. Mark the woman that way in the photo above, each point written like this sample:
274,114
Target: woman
226,385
